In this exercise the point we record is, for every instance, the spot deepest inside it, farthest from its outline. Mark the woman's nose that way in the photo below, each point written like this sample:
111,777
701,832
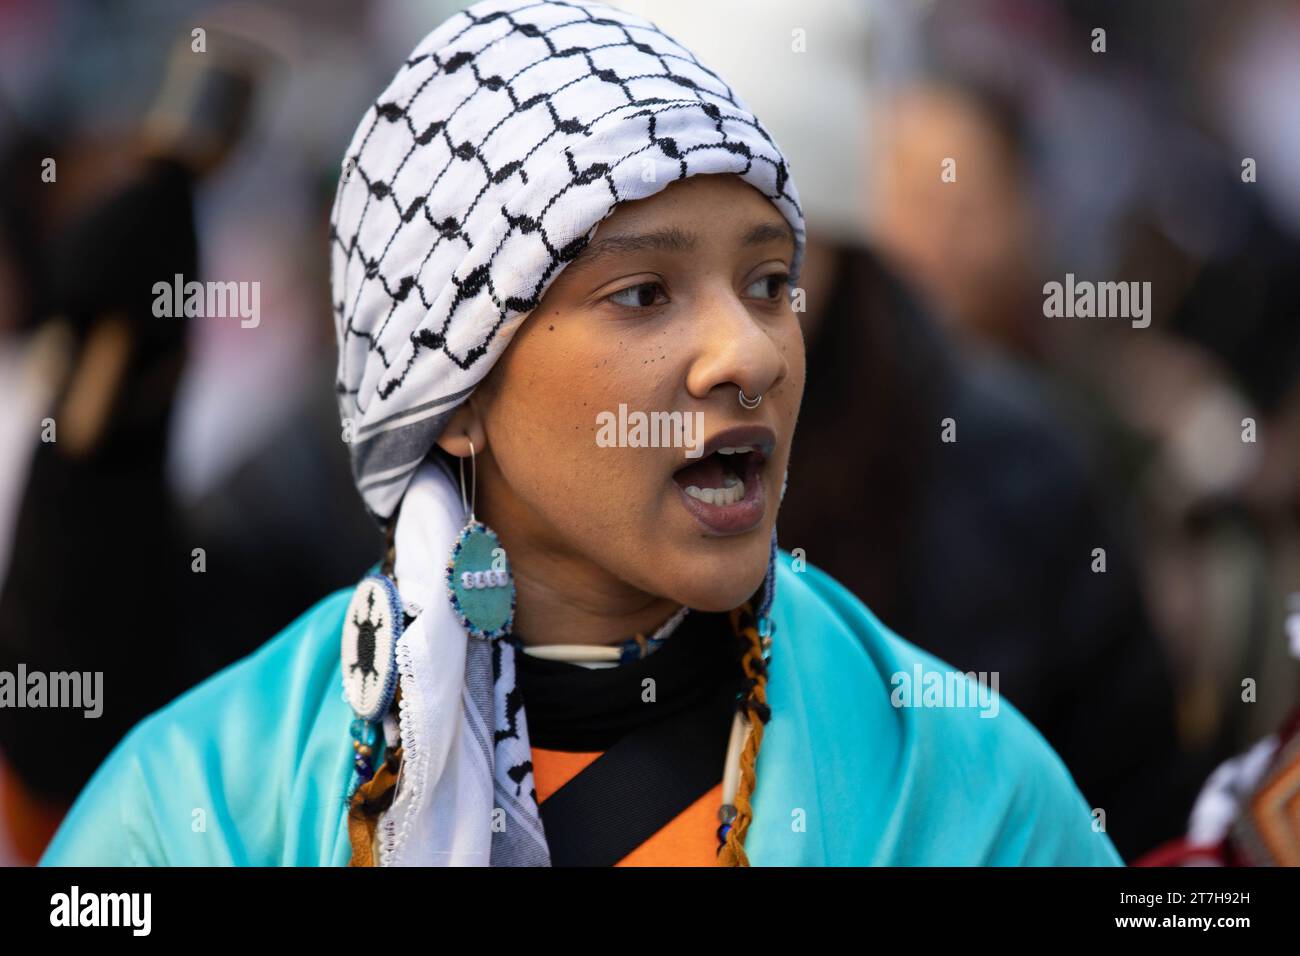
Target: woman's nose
736,348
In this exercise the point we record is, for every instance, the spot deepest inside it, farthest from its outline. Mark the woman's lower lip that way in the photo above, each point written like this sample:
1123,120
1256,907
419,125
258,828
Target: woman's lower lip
744,515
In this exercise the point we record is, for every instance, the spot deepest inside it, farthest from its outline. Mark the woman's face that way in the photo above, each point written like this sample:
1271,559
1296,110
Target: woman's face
677,302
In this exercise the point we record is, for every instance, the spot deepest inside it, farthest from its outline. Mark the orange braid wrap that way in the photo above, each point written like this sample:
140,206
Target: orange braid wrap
755,668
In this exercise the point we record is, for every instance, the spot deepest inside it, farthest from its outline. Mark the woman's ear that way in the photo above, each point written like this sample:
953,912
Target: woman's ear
464,426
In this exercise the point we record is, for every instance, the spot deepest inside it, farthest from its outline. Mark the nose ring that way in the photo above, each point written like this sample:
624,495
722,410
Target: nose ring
747,402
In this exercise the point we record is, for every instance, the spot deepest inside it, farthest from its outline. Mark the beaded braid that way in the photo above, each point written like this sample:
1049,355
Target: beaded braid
367,805
390,545
754,665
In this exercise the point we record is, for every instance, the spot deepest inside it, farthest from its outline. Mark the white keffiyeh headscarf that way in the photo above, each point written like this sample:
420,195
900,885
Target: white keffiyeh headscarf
505,139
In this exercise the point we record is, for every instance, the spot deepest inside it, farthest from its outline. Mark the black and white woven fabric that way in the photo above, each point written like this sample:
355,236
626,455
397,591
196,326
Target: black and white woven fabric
485,166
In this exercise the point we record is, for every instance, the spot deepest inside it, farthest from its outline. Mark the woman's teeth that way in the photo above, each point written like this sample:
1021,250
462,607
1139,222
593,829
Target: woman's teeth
738,450
732,491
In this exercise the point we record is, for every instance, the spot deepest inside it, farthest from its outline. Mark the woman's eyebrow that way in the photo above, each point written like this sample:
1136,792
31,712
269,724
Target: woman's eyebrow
670,239
766,232
673,239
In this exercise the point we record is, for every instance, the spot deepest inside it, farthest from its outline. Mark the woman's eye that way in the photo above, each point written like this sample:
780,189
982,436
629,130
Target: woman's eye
640,296
768,287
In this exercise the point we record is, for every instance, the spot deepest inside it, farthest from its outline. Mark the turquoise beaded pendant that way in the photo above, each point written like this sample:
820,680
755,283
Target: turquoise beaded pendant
480,584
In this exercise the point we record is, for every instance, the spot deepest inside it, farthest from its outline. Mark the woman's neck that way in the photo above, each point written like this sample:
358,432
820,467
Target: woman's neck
562,596
556,608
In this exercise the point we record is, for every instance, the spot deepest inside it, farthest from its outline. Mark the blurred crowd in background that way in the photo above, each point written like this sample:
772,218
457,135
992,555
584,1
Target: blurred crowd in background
1170,453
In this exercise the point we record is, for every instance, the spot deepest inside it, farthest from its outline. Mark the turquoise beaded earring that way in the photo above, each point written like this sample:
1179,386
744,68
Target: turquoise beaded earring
479,581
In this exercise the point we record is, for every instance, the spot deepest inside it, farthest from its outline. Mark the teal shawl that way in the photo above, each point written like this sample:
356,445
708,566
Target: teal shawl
253,766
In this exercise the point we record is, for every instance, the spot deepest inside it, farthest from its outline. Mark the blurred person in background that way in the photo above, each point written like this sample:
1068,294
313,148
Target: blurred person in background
1244,814
110,567
1131,164
966,243
1216,215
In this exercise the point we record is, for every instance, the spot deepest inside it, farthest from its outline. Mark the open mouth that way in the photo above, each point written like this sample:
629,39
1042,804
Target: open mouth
723,489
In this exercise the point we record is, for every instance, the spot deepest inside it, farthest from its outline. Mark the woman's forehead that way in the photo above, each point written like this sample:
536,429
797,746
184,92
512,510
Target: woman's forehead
721,206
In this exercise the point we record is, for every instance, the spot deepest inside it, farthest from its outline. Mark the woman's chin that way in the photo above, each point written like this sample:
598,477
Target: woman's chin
712,588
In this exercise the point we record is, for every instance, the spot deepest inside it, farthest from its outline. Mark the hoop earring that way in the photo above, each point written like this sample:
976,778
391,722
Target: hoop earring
479,582
746,401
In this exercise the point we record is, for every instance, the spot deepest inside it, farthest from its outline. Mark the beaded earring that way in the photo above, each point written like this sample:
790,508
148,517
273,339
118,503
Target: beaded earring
371,630
479,582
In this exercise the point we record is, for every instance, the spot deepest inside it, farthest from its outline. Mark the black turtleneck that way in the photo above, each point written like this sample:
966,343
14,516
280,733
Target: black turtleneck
575,708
